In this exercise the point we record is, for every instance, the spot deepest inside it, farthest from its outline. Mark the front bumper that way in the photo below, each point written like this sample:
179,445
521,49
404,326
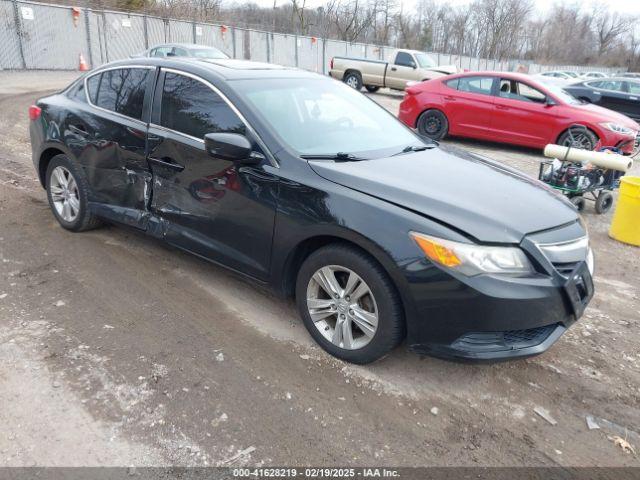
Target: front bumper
493,318
626,143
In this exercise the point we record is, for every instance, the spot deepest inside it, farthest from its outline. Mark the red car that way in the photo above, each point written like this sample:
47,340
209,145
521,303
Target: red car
512,108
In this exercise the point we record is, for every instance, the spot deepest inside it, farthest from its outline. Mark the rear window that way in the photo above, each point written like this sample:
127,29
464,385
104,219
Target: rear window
481,85
122,91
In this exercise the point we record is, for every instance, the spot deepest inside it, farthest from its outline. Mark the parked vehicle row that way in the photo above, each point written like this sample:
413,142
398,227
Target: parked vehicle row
404,67
512,108
621,94
298,181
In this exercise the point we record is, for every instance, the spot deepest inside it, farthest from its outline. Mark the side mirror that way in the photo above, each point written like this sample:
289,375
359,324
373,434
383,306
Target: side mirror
231,146
413,65
549,102
170,54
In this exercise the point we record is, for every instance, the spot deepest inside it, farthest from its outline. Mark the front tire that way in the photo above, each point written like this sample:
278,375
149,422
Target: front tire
582,138
433,124
348,304
68,195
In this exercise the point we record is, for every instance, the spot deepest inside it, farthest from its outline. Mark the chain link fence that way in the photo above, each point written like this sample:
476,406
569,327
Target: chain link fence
43,36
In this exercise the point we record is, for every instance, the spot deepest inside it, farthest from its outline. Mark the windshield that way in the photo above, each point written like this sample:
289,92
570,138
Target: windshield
425,61
319,116
563,95
208,53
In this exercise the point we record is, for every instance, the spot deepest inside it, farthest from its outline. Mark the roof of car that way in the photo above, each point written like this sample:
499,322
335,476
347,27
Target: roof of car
185,45
227,69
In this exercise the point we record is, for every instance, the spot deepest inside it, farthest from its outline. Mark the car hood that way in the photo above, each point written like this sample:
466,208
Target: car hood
485,199
601,114
446,69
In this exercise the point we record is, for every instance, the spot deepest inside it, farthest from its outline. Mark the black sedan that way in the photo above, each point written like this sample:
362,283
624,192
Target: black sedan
297,181
619,94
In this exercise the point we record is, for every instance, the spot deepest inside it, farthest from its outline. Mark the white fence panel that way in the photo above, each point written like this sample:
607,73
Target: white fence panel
50,37
10,56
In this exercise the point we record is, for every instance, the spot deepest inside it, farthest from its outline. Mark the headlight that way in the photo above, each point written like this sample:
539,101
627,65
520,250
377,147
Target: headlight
614,127
471,259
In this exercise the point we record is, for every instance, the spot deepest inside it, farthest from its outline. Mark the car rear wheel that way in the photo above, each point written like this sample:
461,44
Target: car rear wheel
371,88
582,138
354,80
68,195
348,304
433,124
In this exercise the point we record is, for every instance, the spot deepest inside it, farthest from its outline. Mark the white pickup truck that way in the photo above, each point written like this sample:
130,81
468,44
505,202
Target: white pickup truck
406,66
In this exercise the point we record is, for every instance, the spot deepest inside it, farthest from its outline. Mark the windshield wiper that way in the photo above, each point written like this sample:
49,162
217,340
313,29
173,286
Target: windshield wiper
414,148
338,157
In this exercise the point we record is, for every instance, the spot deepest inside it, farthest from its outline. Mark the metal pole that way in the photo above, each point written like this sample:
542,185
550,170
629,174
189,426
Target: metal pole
146,30
233,41
16,17
268,48
324,55
296,49
88,29
104,31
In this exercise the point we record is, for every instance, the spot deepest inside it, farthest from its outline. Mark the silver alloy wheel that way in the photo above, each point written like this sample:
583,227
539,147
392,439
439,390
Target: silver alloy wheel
64,193
352,81
342,307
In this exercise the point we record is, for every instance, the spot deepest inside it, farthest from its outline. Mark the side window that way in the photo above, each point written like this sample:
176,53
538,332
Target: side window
191,107
77,92
179,52
123,90
481,85
160,51
452,83
404,59
515,90
634,88
92,84
614,85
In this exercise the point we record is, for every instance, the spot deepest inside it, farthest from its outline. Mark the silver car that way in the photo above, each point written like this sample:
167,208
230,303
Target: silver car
183,50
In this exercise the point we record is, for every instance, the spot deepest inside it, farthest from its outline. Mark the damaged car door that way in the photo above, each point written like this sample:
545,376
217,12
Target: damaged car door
114,142
204,203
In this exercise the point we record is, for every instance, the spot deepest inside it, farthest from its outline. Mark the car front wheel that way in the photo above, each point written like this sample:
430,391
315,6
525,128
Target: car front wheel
348,304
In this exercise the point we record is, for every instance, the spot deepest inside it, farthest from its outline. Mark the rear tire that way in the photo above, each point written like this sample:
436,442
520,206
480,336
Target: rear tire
68,195
433,124
362,319
354,80
372,88
604,202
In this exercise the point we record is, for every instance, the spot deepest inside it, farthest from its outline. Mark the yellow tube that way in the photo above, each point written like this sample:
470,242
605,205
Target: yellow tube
625,226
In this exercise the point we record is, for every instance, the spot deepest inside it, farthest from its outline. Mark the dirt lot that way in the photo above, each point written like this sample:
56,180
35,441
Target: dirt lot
118,350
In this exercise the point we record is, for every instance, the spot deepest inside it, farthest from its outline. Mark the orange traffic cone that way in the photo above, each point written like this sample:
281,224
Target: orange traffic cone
83,65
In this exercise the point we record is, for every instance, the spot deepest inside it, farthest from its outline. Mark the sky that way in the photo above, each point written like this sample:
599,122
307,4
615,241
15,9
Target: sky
622,6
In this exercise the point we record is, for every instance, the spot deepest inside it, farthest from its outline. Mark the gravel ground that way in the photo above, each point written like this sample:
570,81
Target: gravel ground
118,350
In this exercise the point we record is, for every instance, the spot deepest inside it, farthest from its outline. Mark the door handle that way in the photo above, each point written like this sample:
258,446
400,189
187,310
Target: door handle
450,99
393,69
502,107
633,98
167,163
